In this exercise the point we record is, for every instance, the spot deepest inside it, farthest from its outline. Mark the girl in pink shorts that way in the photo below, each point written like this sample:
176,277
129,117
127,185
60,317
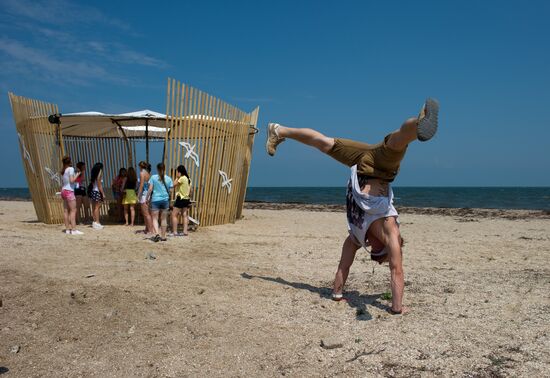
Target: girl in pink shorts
69,199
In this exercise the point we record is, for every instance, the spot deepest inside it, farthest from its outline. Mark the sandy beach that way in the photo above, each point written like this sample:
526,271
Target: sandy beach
252,298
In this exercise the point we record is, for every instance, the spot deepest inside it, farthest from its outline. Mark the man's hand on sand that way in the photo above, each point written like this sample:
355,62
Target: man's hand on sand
404,310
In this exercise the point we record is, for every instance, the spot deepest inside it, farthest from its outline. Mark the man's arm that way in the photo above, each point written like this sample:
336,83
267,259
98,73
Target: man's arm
386,230
397,277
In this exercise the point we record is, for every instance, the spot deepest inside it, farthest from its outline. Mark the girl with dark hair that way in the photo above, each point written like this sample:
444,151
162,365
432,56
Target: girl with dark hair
181,204
129,199
80,193
67,194
159,189
96,193
117,188
144,177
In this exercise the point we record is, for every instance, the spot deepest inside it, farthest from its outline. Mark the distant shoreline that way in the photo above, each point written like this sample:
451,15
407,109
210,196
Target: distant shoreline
466,213
529,198
469,213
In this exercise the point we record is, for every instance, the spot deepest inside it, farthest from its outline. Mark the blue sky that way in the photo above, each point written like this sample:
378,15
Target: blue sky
353,69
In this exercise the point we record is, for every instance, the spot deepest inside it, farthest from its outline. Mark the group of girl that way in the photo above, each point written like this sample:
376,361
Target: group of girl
152,192
75,195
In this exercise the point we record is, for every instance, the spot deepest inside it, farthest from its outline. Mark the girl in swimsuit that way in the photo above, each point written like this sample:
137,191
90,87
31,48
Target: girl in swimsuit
97,195
67,193
80,194
116,187
130,198
144,176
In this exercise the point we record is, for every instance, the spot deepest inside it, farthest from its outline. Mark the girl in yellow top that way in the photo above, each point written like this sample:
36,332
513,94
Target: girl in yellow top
182,186
129,198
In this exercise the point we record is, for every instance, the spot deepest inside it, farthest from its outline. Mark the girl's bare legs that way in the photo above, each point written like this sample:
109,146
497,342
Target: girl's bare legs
185,220
155,216
95,211
175,214
125,207
78,206
66,217
120,209
163,223
86,204
72,214
132,214
147,218
348,255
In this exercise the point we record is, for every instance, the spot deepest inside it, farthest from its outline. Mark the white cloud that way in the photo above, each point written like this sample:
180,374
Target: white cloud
71,53
59,12
46,63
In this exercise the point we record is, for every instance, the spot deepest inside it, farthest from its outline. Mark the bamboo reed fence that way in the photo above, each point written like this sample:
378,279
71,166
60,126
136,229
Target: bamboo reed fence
211,138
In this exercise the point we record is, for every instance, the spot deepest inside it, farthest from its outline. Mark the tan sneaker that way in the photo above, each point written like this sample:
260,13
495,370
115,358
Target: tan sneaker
273,139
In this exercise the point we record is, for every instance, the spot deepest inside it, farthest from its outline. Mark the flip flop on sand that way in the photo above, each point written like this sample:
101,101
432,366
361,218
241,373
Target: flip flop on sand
427,120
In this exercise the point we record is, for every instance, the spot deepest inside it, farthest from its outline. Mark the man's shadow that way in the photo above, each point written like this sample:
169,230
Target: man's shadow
353,298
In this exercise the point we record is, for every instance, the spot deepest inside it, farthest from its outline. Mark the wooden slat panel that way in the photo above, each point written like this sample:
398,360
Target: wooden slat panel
222,139
38,137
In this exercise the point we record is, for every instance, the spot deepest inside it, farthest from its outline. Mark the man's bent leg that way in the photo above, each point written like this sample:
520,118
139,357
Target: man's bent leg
422,127
406,134
387,231
348,255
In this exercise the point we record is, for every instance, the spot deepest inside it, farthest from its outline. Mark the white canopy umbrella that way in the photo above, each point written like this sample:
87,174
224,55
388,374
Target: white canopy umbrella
96,124
143,124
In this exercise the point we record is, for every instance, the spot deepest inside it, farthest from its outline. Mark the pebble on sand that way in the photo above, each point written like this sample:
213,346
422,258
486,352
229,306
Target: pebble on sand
331,343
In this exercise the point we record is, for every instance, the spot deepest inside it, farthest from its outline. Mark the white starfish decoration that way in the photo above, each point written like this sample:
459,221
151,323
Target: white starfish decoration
190,152
54,176
26,154
226,181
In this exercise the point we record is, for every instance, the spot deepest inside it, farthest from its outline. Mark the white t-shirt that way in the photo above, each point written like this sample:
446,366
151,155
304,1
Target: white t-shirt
95,187
69,171
363,209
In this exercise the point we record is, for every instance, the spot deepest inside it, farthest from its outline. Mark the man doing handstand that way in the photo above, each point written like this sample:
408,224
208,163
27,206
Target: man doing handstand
372,219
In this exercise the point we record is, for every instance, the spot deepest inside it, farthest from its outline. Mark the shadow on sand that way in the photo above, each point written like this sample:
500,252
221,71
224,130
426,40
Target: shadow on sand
353,298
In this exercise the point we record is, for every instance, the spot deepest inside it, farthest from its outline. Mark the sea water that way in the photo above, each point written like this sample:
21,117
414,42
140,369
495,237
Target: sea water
528,198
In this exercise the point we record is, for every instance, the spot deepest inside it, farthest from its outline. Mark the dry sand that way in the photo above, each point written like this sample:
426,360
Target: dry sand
251,299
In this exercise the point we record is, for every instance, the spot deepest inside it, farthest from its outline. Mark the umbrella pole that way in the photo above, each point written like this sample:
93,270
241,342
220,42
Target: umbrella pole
147,140
128,149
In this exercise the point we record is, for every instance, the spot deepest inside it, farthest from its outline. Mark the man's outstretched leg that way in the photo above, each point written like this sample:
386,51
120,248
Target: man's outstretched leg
276,134
422,128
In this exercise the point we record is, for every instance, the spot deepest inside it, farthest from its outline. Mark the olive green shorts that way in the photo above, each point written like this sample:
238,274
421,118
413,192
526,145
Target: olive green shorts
374,160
